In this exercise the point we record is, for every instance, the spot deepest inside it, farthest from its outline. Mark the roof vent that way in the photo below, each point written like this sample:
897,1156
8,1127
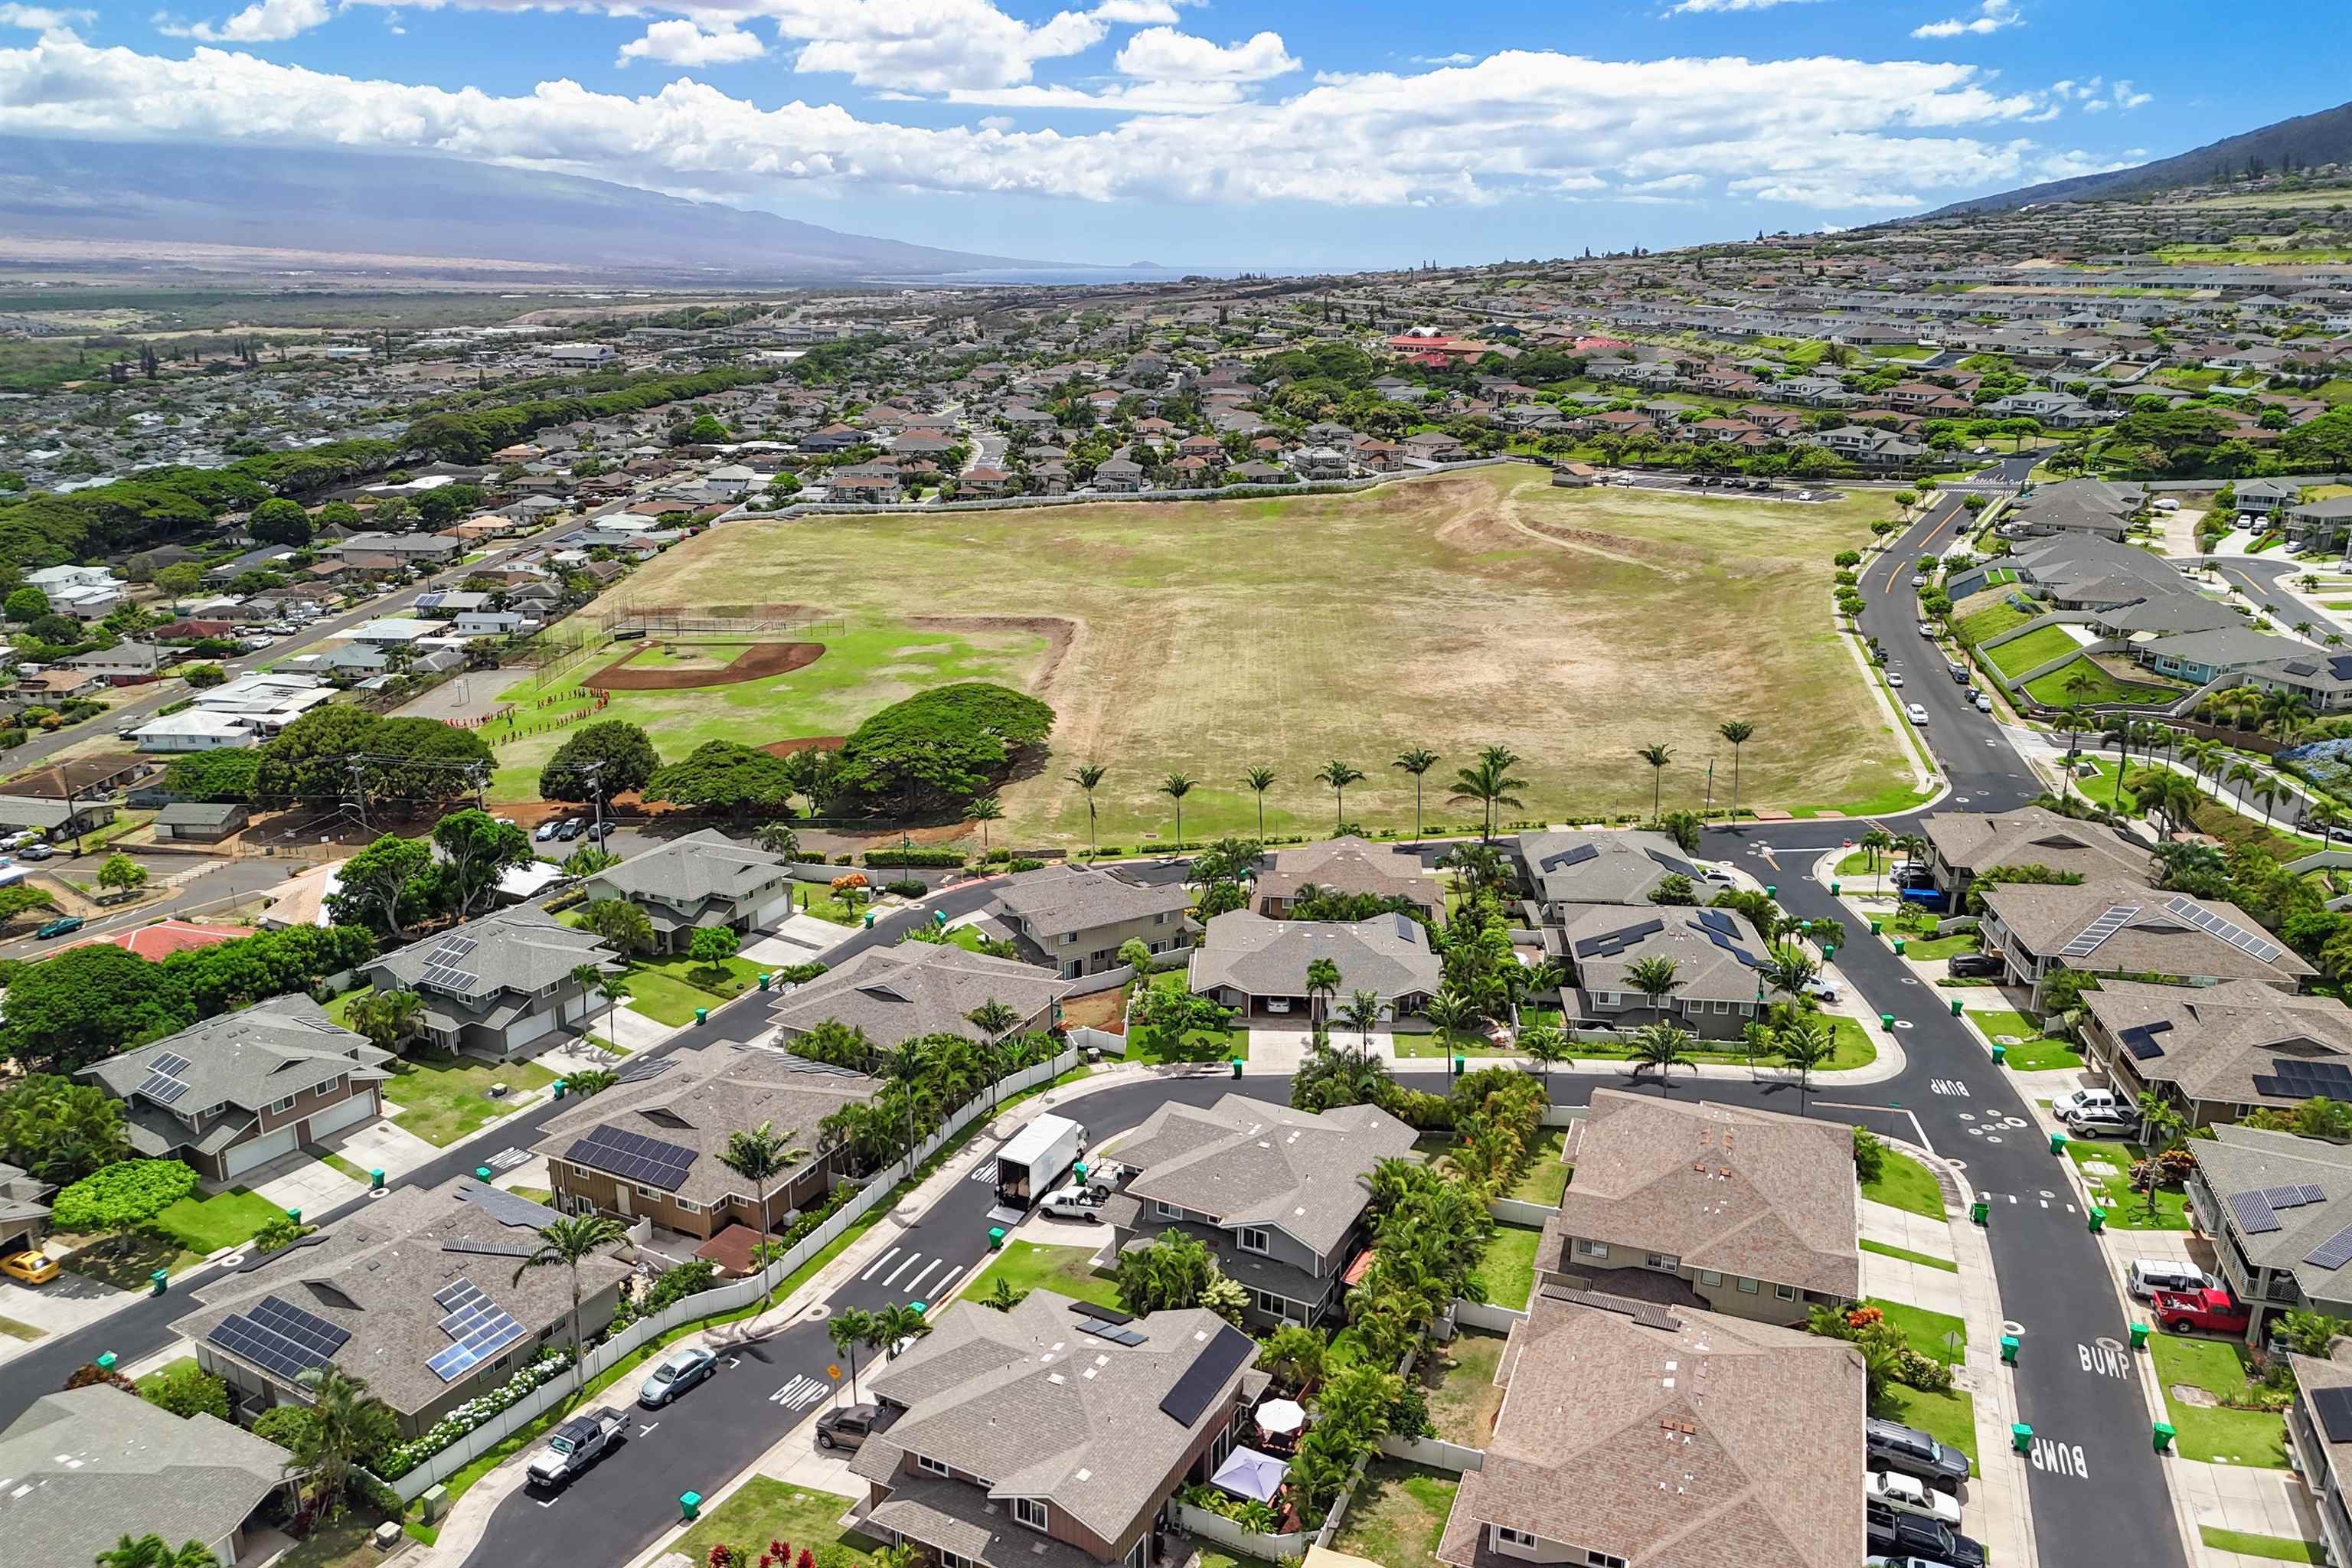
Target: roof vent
1055,1377
1086,1474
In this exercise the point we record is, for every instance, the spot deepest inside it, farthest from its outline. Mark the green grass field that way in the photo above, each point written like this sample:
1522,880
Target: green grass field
1996,617
875,663
1208,637
1508,1268
2208,1432
1930,1333
441,1097
1905,1255
1399,1514
2018,655
767,1510
2030,1050
1950,1418
1546,1178
2111,1184
202,1225
2279,1548
1029,1266
1905,1184
2053,688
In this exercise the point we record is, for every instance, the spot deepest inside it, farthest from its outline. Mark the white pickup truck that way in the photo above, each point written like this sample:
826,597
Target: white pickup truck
575,1446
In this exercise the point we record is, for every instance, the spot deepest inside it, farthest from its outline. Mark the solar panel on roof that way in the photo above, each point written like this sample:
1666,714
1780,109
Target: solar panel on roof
1576,856
164,1089
279,1338
637,1069
2333,1253
507,1208
454,947
1218,1359
2253,1213
2332,1406
171,1062
479,1327
1681,867
2249,942
633,1157
1716,920
2140,1039
2086,941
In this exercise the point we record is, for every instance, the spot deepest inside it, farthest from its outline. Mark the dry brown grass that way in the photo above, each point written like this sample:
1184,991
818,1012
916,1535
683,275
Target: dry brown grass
1453,612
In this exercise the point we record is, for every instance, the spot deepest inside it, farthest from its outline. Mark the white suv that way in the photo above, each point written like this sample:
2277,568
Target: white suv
2076,1099
2146,1275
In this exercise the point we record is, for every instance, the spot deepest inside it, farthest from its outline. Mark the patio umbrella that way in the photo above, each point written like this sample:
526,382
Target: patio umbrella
1250,1474
1281,1417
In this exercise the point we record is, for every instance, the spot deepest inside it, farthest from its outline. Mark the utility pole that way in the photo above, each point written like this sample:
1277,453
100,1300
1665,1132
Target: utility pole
359,789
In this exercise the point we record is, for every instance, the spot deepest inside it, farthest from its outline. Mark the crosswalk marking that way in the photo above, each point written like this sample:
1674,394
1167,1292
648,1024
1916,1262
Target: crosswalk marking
879,1262
912,1259
947,1279
508,1159
917,1283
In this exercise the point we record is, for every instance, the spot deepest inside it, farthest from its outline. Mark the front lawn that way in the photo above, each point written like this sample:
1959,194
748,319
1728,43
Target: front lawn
2056,689
175,1365
342,1544
2106,1164
1029,1266
2030,1050
12,1329
340,1009
1905,1184
1508,1268
440,1096
1905,1255
2208,1432
1926,1330
2279,1548
1936,947
2039,646
767,1510
1397,1516
202,1225
1950,1418
1546,1178
1458,1382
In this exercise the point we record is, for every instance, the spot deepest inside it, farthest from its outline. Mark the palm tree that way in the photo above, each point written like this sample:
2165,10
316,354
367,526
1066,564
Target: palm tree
760,1154
567,1242
151,1552
1450,1012
1657,756
1738,732
897,1323
1659,1047
1875,841
2242,774
778,839
1489,782
1362,1013
1790,969
1416,762
905,1064
983,810
1086,776
2267,793
994,1020
348,1425
1654,979
1544,1044
1322,985
850,1329
1802,1046
1260,780
1340,775
604,985
1176,786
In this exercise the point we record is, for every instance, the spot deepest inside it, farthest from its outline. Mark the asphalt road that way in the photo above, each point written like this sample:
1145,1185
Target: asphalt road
2258,577
227,879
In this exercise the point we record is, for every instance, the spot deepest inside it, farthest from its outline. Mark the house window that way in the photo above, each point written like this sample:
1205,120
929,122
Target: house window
1506,1536
1272,1305
1723,1007
953,1560
1604,998
285,1104
649,1192
1591,1248
1666,1261
1031,1512
930,1466
1709,1277
1602,1560
1748,1286
1786,1292
1253,1238
1141,1552
1068,937
1160,918
1166,1210
687,1206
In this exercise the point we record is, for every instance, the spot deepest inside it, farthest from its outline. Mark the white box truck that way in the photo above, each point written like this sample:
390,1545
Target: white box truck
1034,1160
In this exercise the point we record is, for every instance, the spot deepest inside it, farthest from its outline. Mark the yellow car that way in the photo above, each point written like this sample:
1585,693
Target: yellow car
32,1267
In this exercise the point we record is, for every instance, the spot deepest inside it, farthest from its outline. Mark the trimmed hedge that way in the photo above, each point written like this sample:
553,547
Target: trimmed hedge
911,856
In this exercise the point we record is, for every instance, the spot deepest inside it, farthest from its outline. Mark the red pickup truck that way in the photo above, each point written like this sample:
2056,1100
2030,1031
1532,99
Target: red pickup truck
2204,1311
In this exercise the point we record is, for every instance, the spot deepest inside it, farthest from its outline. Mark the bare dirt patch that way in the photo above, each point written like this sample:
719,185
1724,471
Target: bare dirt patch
757,662
805,743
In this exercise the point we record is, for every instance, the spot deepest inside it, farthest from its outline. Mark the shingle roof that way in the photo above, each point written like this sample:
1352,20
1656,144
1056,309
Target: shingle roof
1711,1442
2242,1159
1248,1162
1599,867
1605,941
1749,1192
520,949
1348,863
701,865
2147,932
1055,900
83,1468
2213,1042
2035,835
1043,1410
248,1059
895,993
1388,954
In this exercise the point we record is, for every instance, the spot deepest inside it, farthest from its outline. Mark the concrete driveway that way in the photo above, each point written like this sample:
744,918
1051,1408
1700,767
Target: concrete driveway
66,1303
303,1181
379,1144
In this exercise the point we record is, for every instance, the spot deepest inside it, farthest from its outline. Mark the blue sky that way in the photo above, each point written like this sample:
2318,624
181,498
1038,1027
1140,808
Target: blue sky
1234,133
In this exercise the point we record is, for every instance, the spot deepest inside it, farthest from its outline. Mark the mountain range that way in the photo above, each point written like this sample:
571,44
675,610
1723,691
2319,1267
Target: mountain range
2325,137
423,213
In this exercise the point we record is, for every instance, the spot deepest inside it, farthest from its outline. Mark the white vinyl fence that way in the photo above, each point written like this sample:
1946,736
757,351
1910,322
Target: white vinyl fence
1487,1315
1227,1533
722,1299
1518,1211
1434,1452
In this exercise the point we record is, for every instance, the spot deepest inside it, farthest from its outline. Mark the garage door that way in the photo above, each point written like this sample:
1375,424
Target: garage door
261,1150
335,1118
776,908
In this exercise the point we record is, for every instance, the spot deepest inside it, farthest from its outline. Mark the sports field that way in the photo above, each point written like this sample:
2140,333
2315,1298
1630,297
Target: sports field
1451,613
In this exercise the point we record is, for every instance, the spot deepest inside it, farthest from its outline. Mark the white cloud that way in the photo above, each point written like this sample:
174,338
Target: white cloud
1163,53
996,122
2126,98
1113,98
41,19
1684,7
681,43
1992,17
1138,13
1458,58
929,45
263,22
1844,132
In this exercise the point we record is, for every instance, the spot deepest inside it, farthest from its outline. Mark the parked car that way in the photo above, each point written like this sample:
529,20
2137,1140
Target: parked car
2146,1275
680,1371
2074,1100
1893,679
2167,504
1909,1451
63,925
2104,1121
600,831
1074,1202
1278,1003
1975,967
29,1267
547,830
572,828
1720,875
35,850
1877,1561
1926,628
1958,671
1885,1530
1984,703
574,1445
1909,1494
2207,1312
1823,990
1918,579
847,1427
1918,715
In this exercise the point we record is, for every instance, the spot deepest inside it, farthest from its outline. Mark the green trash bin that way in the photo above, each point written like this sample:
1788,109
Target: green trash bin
995,1238
1873,928
869,920
2057,1142
106,1362
1829,952
1898,947
158,1282
1835,888
2098,1219
294,1215
375,1181
2009,1349
559,1086
1886,1020
1980,1211
2139,1336
689,1507
2000,1053
764,978
702,1015
482,1173
2020,1436
1238,1067
2163,1434
1955,1006
1770,891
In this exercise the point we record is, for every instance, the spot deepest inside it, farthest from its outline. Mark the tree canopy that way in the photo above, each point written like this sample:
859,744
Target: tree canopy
416,764
621,753
941,747
125,1196
723,775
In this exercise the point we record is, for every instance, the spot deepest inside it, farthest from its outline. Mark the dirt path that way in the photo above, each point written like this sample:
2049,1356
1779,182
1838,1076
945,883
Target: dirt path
755,663
1581,541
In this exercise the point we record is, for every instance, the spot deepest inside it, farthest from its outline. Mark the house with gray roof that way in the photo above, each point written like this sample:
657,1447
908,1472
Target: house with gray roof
2112,926
1348,863
2278,1210
1049,1436
1074,918
1962,844
416,1292
1670,1437
2319,1434
1277,1195
24,1208
238,1090
498,985
1259,965
1748,1213
705,879
2319,524
916,988
1717,954
2200,656
1560,869
2217,1052
87,1466
691,1103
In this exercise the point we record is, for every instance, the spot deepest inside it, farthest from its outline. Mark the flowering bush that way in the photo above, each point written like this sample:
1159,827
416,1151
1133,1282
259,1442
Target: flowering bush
551,1363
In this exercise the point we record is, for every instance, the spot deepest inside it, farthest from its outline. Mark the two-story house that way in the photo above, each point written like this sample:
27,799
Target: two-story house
2278,1210
1276,1195
653,1146
705,879
1075,919
1963,844
1051,1436
2319,1438
1717,957
1746,1213
2218,1052
1351,865
894,993
1560,869
1634,1436
241,1089
498,985
2108,925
